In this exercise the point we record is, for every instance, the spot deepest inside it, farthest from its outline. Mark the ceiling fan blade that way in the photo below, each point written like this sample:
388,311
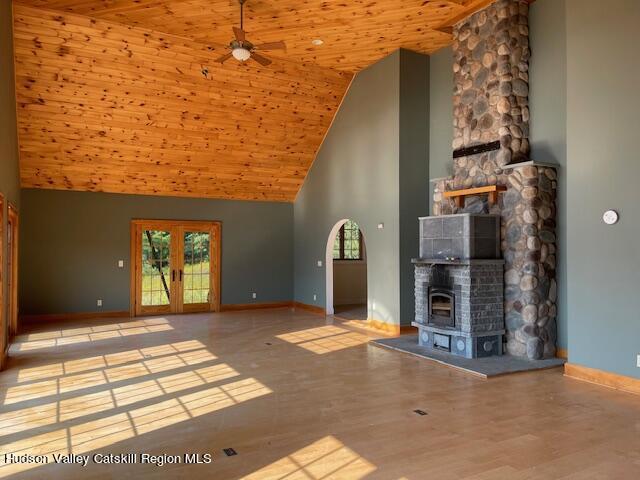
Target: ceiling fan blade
264,61
224,58
239,33
272,46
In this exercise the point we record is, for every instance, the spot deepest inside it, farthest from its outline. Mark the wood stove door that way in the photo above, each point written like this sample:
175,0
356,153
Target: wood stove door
442,308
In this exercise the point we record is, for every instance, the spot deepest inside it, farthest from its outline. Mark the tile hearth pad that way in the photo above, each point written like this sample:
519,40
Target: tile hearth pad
485,367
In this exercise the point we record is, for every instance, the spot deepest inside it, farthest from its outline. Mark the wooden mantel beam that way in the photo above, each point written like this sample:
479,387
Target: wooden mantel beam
460,195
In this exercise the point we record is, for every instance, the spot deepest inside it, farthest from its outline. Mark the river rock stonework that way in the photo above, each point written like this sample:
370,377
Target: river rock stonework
491,89
528,211
491,53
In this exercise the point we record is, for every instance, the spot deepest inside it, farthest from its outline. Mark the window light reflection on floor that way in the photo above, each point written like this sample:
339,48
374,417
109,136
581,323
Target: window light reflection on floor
57,369
22,344
96,402
70,383
100,433
73,332
325,339
326,458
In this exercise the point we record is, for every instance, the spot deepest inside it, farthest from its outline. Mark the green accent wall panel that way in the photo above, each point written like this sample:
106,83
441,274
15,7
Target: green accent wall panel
71,243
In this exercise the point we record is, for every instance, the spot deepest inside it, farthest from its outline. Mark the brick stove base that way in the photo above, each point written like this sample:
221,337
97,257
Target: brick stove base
477,285
459,343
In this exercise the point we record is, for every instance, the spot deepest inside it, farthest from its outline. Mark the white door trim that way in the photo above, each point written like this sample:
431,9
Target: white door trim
328,263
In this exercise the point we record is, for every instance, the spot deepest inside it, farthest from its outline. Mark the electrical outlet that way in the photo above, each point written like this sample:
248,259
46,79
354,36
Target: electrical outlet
315,297
120,263
99,303
254,295
319,263
638,361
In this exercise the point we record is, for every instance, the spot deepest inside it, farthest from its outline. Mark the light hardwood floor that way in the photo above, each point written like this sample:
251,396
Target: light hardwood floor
298,397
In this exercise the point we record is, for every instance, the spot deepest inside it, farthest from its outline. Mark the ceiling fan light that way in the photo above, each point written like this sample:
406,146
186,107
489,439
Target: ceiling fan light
241,54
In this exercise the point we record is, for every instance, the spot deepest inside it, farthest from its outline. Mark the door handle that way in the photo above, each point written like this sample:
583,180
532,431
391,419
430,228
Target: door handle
180,275
173,275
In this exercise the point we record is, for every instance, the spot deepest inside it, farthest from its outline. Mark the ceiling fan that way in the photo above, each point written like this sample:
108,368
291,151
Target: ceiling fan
242,49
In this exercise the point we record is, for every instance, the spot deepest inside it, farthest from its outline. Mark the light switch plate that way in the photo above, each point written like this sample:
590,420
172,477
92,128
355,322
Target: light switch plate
315,297
99,302
120,263
254,295
319,263
381,226
638,361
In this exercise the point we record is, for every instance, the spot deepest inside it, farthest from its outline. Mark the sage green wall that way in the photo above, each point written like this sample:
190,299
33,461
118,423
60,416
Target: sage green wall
603,172
9,172
71,243
414,169
441,116
548,124
548,104
372,168
356,176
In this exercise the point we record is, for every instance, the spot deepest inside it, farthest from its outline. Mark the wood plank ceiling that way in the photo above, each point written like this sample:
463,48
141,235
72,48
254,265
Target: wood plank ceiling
123,96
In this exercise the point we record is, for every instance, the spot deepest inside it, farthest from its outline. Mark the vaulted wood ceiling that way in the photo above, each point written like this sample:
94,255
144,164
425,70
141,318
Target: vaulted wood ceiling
112,97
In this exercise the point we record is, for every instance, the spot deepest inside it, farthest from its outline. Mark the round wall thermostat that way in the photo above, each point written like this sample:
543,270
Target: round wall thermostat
610,217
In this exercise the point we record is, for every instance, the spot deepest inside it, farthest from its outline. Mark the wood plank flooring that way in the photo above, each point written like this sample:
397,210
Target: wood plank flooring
297,396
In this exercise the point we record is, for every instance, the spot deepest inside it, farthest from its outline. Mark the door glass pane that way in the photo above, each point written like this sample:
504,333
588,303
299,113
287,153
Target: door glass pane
156,277
196,267
352,241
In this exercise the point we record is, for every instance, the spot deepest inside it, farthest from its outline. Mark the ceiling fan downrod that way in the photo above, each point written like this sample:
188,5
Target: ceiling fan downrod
242,14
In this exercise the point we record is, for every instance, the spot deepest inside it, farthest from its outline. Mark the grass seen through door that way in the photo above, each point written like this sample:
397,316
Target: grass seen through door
156,272
196,284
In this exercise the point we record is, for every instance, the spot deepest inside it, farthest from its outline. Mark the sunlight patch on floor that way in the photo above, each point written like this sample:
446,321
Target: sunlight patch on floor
101,361
97,402
326,458
82,381
28,346
324,339
309,334
74,332
367,326
106,431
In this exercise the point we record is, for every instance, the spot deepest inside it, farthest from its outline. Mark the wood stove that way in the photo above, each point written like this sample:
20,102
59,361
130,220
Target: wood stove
459,285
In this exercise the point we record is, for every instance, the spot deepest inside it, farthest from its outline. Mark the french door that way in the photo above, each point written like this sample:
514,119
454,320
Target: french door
176,267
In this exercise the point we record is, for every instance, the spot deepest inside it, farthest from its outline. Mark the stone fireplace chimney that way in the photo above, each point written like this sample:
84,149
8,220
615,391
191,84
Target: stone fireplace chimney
491,89
491,147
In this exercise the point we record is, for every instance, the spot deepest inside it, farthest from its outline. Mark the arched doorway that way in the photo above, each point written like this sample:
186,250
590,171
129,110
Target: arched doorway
346,271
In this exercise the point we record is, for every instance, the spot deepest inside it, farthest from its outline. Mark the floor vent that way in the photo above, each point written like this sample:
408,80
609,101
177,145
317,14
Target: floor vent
229,452
420,412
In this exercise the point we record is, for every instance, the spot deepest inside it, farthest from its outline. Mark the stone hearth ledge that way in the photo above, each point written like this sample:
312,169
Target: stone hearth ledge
486,367
460,261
